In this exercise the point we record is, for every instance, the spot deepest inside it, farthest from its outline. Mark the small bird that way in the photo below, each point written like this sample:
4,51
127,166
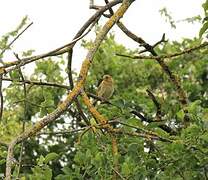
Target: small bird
105,89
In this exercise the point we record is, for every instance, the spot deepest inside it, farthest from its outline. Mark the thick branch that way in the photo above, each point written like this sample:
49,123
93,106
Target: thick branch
100,119
75,91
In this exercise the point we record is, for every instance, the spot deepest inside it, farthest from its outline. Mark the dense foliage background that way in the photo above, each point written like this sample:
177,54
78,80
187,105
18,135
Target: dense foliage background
78,155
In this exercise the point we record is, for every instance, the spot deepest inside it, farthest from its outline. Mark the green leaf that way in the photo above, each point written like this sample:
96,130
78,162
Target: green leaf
50,157
98,159
133,148
203,29
194,106
154,124
180,115
2,161
135,122
205,5
48,174
41,160
28,53
204,137
66,170
161,132
3,154
125,169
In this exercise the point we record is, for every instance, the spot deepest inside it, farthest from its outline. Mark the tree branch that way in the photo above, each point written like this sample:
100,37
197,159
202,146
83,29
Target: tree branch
75,91
39,83
168,56
9,45
71,83
173,78
1,99
157,104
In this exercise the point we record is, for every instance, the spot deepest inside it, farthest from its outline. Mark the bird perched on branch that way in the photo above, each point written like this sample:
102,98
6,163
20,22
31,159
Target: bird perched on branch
105,89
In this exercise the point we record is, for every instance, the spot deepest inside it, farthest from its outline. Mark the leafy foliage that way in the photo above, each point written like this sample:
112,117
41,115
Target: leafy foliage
205,24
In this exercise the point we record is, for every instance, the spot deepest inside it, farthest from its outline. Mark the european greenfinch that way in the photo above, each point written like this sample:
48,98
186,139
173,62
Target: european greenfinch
106,88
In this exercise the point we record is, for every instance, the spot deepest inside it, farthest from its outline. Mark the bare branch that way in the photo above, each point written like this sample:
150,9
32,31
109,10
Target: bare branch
168,56
71,83
143,135
8,46
39,83
161,41
118,174
25,116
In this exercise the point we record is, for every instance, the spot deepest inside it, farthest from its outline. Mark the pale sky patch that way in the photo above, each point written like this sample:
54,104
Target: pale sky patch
57,21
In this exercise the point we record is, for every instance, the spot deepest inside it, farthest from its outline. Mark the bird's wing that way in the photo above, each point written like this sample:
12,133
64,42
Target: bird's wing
99,89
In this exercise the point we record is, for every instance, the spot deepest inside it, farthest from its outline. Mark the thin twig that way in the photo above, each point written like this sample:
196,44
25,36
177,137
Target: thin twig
62,132
8,46
161,41
1,99
39,83
143,135
25,116
71,83
69,72
110,9
168,56
119,174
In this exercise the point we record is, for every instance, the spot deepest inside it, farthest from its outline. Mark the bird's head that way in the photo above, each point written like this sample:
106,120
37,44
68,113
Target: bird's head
107,78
